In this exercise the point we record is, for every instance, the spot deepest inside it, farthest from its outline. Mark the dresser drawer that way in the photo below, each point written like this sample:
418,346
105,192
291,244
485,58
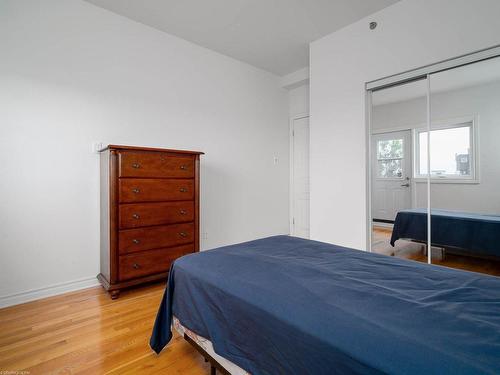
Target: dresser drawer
150,262
151,190
155,164
132,240
133,215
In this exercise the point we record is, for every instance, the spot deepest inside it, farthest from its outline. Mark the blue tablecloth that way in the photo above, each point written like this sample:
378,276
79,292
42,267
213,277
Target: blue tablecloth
475,233
283,305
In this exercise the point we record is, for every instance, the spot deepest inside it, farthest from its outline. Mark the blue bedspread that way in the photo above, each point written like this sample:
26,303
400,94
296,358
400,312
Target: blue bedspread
284,305
475,233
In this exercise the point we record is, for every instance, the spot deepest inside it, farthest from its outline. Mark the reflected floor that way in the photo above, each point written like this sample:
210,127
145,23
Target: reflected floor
415,251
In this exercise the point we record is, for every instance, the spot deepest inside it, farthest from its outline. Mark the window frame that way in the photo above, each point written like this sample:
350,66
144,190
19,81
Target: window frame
470,122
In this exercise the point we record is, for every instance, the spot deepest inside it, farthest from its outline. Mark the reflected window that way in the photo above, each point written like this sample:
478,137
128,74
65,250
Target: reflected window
390,158
452,152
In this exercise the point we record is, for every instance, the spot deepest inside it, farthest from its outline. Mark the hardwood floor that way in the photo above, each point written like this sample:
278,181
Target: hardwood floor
414,251
85,332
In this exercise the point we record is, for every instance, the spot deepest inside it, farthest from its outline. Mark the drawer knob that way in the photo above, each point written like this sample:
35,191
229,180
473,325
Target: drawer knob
136,241
183,167
183,234
136,216
183,212
183,190
136,165
135,191
136,266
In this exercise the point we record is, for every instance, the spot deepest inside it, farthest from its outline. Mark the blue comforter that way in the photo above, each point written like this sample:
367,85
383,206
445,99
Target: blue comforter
477,234
283,305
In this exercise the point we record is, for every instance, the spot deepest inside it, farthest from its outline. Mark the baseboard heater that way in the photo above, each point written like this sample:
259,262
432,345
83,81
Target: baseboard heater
383,221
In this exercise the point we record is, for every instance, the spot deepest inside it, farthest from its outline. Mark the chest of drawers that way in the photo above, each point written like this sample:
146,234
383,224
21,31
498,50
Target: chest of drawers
149,213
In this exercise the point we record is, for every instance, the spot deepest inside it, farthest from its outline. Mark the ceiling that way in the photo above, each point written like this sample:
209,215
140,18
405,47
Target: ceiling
269,34
480,73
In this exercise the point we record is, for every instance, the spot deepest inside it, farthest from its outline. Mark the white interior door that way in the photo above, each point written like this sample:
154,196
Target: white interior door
392,171
300,177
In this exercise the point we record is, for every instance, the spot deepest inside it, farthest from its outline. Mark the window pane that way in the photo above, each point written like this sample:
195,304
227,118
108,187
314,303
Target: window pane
450,152
390,149
390,168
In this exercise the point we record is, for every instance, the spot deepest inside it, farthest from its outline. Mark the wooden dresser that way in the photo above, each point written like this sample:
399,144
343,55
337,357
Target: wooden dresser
149,213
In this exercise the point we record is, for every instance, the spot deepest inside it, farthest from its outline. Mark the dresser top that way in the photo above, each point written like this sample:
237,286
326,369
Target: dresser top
137,148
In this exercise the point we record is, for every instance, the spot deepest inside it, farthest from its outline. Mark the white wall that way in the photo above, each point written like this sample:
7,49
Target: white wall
480,102
298,101
410,34
72,73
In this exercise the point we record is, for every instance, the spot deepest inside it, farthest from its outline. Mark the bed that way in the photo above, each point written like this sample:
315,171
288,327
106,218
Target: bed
284,305
473,234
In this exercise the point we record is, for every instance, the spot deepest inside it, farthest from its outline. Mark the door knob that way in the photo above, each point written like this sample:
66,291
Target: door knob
406,185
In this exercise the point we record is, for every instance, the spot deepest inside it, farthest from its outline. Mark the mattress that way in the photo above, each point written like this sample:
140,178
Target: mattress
284,305
207,345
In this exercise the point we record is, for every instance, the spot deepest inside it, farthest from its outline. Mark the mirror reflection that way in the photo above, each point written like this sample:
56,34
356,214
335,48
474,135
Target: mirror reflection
456,156
465,167
396,113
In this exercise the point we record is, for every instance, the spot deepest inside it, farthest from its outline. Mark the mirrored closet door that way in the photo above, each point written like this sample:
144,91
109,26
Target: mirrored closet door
396,196
435,167
465,166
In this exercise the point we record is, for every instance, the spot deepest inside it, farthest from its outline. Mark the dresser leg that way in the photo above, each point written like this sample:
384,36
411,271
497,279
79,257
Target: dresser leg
114,294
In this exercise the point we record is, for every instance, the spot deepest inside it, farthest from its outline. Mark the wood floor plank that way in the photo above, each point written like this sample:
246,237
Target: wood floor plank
86,332
79,325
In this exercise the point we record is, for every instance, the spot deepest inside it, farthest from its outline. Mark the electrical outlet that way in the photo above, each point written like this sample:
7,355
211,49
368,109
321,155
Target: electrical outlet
204,236
275,160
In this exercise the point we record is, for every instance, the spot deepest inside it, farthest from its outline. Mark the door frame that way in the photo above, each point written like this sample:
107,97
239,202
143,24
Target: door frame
291,205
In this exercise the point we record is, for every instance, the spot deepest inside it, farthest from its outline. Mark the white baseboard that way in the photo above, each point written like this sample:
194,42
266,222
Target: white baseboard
48,291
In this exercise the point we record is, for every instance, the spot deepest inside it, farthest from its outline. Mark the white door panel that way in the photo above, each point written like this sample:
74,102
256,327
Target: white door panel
300,177
392,171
